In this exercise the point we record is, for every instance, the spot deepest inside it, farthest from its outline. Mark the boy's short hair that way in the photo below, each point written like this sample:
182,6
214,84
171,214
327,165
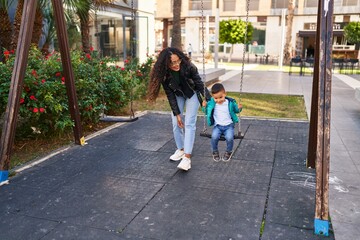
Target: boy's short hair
217,87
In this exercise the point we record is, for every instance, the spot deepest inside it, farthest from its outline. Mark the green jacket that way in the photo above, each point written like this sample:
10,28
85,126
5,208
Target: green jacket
209,110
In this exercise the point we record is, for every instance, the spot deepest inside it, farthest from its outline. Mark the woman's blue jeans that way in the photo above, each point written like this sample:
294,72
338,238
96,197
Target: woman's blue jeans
184,138
228,132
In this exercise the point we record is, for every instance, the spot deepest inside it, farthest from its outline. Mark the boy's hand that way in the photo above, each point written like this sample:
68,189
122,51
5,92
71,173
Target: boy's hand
204,103
240,106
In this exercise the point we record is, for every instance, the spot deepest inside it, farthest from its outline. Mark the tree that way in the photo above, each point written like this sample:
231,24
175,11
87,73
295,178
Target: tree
290,18
176,31
233,32
352,33
5,25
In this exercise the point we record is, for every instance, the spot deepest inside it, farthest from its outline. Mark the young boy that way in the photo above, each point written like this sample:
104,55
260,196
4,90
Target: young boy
221,112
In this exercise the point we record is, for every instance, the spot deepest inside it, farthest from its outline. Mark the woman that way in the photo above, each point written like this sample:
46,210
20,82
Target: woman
182,84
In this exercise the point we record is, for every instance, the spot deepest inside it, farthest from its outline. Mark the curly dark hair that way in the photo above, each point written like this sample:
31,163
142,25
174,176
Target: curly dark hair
161,69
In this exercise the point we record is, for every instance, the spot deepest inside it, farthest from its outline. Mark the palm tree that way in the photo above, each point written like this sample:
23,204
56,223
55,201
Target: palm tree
5,25
84,9
176,32
290,17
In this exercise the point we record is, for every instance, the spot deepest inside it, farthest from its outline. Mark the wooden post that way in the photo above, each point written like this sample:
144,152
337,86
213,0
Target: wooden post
319,136
16,85
17,80
68,71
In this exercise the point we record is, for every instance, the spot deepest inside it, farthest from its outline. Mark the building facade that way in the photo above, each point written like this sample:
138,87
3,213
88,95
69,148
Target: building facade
266,16
115,34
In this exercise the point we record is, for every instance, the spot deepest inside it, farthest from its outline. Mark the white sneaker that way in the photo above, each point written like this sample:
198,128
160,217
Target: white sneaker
185,164
178,155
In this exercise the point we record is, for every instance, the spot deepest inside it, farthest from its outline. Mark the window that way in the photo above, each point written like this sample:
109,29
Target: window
279,3
229,5
254,5
196,4
346,19
311,3
350,2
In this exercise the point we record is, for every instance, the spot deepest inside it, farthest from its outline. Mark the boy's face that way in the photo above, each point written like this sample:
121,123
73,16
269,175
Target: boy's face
219,97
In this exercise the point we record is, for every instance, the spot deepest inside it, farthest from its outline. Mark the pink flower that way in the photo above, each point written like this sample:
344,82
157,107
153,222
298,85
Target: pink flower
22,100
43,81
122,69
42,109
35,110
91,49
57,74
88,56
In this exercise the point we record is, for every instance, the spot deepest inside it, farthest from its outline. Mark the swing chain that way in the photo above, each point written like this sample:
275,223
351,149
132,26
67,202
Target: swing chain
132,114
245,43
203,55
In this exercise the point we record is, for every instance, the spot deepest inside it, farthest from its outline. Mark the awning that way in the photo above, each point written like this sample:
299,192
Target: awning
313,33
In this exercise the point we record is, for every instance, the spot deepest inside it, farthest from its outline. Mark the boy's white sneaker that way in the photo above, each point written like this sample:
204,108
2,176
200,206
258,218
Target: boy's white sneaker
178,155
185,164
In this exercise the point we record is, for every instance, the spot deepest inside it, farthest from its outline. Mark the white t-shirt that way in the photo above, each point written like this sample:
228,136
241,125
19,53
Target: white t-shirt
221,114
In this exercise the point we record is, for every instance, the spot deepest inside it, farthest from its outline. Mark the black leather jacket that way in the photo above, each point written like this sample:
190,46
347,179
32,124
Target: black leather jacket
191,81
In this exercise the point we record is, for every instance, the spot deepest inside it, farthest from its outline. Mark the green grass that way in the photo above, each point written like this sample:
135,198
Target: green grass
271,105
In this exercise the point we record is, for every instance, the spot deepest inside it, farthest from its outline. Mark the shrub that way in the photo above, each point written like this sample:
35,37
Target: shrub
100,86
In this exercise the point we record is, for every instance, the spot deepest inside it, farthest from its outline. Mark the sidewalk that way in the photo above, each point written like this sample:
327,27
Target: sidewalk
121,185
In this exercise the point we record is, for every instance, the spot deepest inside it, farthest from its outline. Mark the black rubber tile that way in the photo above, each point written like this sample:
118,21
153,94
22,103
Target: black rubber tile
16,198
291,146
67,231
291,157
234,176
141,165
186,212
275,231
288,165
293,135
96,201
291,202
17,226
256,150
140,134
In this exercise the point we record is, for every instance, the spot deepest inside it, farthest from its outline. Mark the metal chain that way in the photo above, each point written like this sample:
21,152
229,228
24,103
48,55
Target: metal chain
132,55
245,43
203,55
243,59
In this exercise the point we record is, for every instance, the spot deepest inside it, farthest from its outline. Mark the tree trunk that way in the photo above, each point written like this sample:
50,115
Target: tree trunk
231,52
85,34
290,18
37,31
5,30
176,33
17,24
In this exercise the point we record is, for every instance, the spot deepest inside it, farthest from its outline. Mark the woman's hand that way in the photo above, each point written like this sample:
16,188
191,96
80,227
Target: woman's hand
179,121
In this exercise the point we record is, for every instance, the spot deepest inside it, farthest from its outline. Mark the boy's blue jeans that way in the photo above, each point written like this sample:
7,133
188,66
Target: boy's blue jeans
228,132
184,138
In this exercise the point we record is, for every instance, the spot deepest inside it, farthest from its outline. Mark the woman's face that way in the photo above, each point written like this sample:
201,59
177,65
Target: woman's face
175,62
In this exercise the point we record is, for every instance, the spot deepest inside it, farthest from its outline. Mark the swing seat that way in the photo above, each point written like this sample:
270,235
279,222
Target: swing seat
118,119
238,135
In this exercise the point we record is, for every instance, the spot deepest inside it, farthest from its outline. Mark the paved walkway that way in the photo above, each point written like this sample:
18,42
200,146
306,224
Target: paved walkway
121,185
